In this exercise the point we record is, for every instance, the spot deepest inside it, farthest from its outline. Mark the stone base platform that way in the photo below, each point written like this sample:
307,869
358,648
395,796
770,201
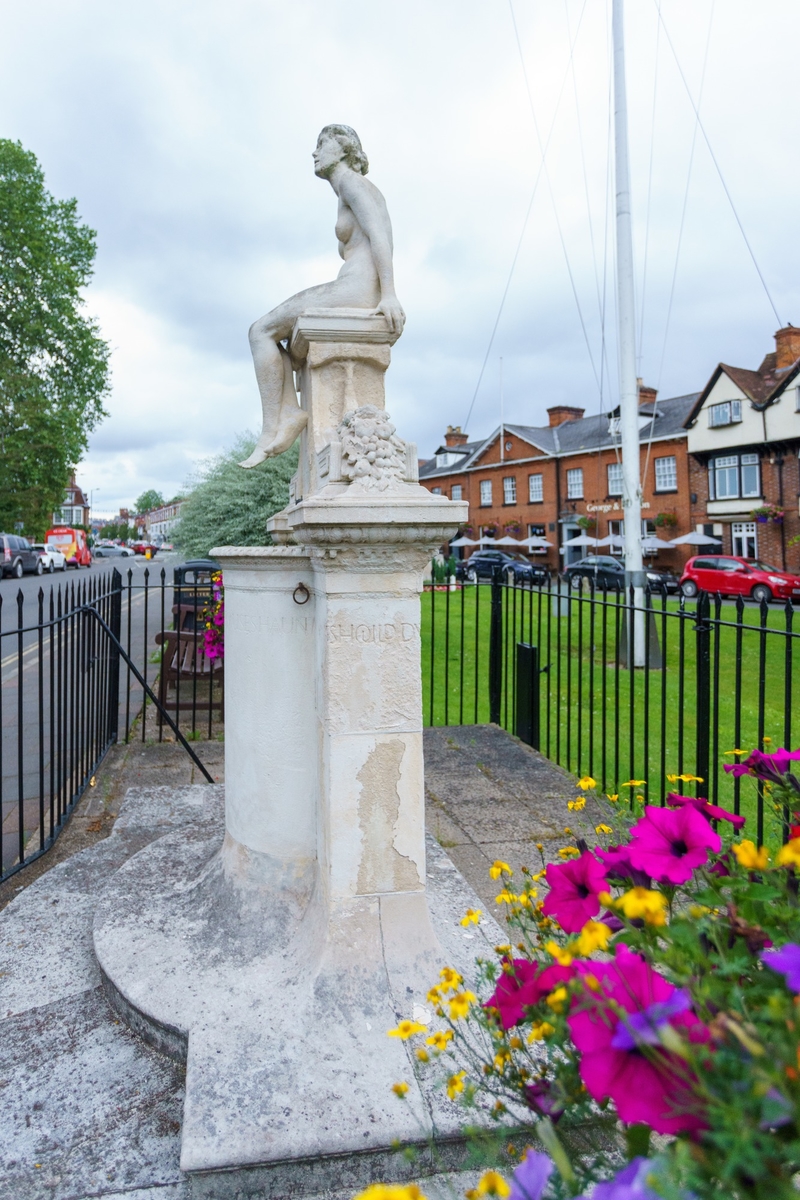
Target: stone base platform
91,1110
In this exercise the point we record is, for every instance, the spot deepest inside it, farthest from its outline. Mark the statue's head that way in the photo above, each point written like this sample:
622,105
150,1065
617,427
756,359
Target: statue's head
350,143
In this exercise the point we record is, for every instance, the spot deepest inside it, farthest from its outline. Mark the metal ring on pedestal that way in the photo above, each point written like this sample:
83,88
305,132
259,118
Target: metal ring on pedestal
301,594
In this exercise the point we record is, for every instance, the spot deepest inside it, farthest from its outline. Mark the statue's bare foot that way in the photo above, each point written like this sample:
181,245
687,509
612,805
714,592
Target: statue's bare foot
291,423
261,452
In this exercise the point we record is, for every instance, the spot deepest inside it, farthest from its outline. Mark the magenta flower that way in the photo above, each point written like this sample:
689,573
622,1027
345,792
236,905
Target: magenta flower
523,986
710,811
786,961
530,1178
618,865
543,1099
574,888
654,1087
669,844
771,767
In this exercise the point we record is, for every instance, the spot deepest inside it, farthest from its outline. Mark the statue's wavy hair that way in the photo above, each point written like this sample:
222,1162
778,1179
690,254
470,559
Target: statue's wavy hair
350,142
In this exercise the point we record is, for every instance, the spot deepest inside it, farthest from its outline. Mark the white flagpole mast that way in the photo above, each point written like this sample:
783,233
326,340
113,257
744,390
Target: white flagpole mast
628,385
502,416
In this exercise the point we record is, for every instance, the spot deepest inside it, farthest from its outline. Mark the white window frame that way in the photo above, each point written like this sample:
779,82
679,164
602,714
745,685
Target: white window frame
457,492
536,489
750,460
729,412
537,530
436,491
741,533
736,463
575,483
509,489
486,493
670,484
616,485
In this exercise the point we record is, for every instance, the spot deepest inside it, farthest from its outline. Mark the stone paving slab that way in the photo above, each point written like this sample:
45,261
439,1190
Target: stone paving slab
489,796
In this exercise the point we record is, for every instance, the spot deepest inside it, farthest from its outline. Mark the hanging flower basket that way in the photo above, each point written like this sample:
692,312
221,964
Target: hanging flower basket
666,520
767,512
586,522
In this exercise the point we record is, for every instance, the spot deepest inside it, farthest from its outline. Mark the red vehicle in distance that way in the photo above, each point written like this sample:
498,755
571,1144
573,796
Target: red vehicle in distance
731,576
71,543
143,547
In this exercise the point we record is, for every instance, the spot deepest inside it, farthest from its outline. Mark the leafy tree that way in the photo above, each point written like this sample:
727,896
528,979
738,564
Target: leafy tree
149,500
54,369
229,506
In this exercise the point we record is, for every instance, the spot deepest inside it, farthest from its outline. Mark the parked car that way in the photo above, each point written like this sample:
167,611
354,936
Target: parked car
731,576
143,547
112,551
605,571
18,556
517,568
52,559
71,543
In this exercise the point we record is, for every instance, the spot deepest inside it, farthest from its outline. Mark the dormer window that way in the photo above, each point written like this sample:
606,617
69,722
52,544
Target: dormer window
447,459
613,426
728,413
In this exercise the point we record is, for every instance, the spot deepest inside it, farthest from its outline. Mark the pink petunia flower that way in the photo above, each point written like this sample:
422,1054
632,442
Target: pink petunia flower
621,1056
574,888
669,844
617,862
525,984
710,811
771,767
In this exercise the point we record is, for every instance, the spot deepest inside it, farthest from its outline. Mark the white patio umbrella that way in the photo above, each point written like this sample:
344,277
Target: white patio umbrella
652,544
536,543
583,540
464,541
506,541
695,538
613,540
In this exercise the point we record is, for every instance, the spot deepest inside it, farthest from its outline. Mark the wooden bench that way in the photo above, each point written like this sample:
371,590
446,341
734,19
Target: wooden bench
188,678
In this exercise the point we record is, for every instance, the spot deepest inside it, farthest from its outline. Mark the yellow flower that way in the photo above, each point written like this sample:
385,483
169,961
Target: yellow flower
400,1089
455,1084
789,855
539,1030
539,875
562,957
643,904
735,752
459,1005
587,782
406,1029
501,1058
506,897
498,868
592,983
471,917
491,1183
673,778
450,979
594,936
613,798
422,1054
434,996
606,899
568,851
603,829
515,1043
634,783
576,805
506,949
696,911
749,856
557,999
766,739
440,1039
567,830
390,1191
691,779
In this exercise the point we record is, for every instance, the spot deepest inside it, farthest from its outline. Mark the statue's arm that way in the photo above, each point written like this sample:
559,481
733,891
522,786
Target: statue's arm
374,221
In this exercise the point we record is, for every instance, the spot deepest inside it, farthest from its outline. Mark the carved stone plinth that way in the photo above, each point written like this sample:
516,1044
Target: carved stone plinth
279,959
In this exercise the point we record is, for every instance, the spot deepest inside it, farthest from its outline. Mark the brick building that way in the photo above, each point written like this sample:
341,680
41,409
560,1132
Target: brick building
74,507
744,439
564,479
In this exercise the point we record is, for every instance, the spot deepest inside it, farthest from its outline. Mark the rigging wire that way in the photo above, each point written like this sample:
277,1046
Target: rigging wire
549,183
649,189
536,183
718,168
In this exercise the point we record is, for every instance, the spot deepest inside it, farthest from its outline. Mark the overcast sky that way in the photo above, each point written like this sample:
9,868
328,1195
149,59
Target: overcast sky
185,130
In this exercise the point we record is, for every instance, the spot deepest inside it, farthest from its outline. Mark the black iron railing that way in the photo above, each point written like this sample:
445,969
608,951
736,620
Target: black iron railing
84,664
550,664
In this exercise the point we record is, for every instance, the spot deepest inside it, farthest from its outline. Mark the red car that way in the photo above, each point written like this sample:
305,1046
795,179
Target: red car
732,576
143,547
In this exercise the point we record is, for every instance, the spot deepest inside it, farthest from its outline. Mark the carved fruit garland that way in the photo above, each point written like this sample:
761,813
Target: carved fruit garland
373,457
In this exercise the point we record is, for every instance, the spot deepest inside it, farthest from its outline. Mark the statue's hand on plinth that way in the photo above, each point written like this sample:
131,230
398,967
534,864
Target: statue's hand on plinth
392,310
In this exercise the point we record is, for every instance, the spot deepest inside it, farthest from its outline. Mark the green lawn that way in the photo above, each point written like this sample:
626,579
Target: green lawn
590,722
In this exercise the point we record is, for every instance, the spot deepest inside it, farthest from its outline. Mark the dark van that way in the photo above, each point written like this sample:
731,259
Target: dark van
18,555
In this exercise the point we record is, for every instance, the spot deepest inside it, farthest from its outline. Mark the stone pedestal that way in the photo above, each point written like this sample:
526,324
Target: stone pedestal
277,961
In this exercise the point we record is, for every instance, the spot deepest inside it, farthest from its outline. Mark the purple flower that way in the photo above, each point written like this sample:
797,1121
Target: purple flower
618,865
771,767
530,1178
711,811
786,961
642,1027
542,1097
629,1184
670,844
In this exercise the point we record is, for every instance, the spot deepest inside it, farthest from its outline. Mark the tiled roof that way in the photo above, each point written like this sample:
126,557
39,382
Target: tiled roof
585,434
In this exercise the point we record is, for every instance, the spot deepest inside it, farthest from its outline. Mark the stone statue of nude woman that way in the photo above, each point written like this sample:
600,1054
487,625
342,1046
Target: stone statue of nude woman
366,280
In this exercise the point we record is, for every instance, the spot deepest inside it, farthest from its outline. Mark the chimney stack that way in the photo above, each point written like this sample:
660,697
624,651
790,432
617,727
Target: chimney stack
647,395
560,413
454,436
787,347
